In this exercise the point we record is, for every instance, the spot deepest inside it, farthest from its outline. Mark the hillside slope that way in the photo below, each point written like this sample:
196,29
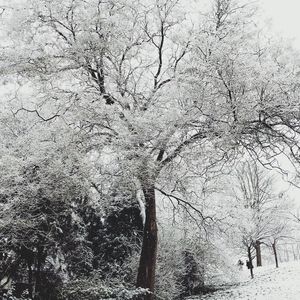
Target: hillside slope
269,284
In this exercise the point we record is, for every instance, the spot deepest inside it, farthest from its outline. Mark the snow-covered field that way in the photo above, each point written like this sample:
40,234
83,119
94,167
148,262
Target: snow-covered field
269,284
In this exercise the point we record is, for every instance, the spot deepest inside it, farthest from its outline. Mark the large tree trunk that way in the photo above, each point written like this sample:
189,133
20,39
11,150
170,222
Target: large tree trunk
258,254
30,282
146,270
38,272
275,253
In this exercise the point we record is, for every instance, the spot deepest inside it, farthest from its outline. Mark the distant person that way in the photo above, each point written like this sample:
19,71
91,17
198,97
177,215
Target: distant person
249,264
240,264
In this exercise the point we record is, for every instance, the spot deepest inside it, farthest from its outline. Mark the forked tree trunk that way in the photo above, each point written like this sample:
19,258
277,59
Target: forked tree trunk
250,262
275,253
146,270
258,254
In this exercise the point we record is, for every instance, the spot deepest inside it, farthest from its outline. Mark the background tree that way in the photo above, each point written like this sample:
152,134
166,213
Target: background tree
256,192
281,225
261,210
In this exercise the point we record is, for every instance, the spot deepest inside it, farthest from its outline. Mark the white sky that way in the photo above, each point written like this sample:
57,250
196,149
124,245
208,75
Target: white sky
284,16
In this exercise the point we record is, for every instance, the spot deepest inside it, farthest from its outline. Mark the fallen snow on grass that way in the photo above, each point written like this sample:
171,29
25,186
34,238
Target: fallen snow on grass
269,284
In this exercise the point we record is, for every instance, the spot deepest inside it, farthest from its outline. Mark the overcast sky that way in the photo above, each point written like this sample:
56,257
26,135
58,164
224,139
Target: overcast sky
284,16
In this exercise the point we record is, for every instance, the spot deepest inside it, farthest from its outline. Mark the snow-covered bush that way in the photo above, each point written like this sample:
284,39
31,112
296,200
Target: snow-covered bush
95,289
170,265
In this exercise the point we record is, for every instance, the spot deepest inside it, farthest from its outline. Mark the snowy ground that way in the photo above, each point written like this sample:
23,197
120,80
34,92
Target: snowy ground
269,284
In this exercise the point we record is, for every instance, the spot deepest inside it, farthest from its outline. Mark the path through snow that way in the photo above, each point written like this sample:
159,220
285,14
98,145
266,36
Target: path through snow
269,284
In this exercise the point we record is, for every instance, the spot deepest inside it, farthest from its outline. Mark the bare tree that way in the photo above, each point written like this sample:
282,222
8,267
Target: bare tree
269,212
255,191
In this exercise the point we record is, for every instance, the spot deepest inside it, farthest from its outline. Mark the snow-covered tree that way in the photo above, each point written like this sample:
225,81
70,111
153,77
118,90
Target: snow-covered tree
139,85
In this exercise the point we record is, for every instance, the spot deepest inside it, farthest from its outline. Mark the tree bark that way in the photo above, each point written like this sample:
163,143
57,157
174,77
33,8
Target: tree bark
258,254
30,283
38,271
146,270
250,262
275,253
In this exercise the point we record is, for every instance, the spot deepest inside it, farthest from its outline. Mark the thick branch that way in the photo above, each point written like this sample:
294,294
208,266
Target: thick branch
38,114
176,152
185,203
